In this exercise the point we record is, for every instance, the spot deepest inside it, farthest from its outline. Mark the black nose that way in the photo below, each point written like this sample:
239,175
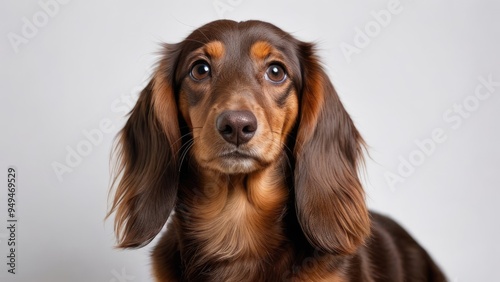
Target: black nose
236,127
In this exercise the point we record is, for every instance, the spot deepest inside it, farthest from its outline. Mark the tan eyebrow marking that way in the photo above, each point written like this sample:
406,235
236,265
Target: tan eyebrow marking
261,50
214,49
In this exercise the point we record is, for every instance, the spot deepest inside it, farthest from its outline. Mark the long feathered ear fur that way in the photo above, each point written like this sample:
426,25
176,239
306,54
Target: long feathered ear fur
147,174
330,200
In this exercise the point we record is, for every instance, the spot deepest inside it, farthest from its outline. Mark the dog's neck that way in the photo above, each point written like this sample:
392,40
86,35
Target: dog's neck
232,218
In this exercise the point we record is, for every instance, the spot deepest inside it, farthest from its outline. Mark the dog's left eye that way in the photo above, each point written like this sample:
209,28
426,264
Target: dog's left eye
200,70
275,73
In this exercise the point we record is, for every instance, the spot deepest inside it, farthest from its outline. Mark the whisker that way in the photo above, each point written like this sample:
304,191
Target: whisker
185,145
280,145
283,143
201,31
180,138
187,134
193,40
287,162
184,154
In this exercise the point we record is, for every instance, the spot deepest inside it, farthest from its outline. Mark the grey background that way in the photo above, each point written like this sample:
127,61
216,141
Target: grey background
81,66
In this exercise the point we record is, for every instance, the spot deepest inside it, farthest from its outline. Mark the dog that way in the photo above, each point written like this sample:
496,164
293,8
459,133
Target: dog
242,145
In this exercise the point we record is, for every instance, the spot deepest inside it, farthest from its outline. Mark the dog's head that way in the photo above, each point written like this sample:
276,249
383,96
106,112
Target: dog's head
237,98
237,92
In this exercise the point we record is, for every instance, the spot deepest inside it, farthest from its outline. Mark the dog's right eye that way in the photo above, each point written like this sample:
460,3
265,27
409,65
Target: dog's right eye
200,70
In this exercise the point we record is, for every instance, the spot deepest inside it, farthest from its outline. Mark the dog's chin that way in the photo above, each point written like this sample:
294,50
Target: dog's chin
233,163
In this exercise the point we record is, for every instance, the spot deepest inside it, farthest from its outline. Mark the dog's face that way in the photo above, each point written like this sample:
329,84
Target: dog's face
238,94
239,98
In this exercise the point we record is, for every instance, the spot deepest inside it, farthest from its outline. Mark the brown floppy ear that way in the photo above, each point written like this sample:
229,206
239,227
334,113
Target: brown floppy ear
147,172
330,200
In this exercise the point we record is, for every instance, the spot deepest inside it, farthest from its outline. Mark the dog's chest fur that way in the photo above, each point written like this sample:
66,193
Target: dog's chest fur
231,228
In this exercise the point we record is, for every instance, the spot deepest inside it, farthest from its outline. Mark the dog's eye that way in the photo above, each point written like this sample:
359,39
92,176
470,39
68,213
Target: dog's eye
200,70
275,73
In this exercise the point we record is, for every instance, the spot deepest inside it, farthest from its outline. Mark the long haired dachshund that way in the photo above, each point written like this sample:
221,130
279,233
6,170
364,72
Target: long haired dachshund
241,140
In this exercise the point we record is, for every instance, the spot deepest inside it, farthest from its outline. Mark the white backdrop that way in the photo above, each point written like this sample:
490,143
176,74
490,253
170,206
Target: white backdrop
421,79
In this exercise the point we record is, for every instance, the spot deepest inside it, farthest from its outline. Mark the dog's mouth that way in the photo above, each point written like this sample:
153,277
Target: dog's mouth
236,155
235,161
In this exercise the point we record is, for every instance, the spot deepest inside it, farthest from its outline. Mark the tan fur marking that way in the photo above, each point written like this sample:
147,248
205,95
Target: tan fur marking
214,49
260,50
